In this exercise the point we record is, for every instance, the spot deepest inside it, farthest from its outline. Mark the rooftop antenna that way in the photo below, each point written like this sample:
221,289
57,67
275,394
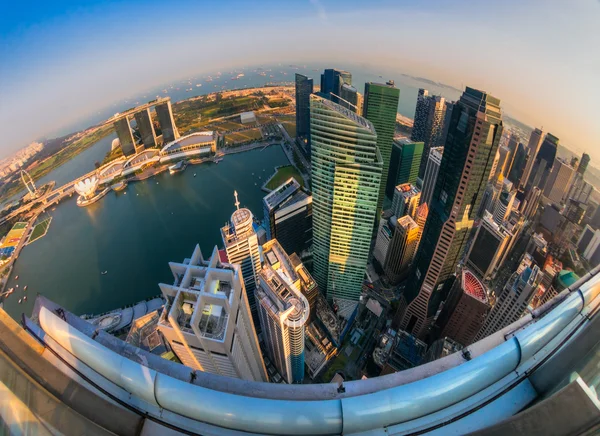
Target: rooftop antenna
237,202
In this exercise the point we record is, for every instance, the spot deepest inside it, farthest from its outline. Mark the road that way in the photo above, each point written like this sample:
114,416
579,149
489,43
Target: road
288,148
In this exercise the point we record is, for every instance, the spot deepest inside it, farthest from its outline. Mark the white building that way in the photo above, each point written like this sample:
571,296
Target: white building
283,310
434,160
247,117
242,247
207,319
384,236
192,145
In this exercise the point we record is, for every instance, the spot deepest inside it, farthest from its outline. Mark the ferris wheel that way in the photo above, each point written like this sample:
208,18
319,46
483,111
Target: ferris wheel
28,182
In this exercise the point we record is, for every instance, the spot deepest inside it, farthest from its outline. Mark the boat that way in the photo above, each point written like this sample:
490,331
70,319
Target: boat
104,273
16,286
178,167
25,298
20,299
218,160
25,287
16,277
194,174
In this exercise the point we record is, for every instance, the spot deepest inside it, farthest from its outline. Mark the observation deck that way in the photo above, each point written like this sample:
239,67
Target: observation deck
540,373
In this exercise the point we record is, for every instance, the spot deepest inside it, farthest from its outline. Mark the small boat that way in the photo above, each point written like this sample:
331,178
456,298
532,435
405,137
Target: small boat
25,298
25,287
194,174
16,286
20,299
218,160
104,273
178,167
16,277
11,289
124,193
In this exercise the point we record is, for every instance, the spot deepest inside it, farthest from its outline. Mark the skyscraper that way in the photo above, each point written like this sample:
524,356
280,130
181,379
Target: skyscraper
332,81
421,113
542,165
288,216
533,146
581,190
146,129
402,248
384,235
531,203
504,203
207,319
164,113
346,174
519,163
503,161
559,181
512,301
304,88
473,137
380,108
429,125
583,163
283,310
404,164
431,172
125,135
487,247
349,97
242,248
465,309
406,200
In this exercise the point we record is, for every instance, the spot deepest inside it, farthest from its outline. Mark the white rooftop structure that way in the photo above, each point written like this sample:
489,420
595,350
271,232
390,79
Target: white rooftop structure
247,117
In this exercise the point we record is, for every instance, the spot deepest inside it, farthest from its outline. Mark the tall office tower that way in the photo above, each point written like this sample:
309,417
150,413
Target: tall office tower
583,163
381,108
402,248
304,88
531,203
582,191
585,238
207,319
518,165
332,81
385,232
575,211
473,137
125,135
487,247
349,97
512,301
420,217
406,200
431,172
494,169
242,248
487,200
535,141
283,310
434,134
404,164
465,309
421,114
543,162
288,217
447,118
503,161
164,113
146,129
346,173
559,181
503,206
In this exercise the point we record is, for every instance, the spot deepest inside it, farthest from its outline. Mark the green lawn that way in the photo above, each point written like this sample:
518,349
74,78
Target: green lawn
247,135
282,174
18,226
39,230
338,364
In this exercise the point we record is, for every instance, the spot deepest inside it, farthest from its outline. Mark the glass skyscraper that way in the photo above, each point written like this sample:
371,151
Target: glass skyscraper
404,165
304,88
380,108
346,176
473,138
543,163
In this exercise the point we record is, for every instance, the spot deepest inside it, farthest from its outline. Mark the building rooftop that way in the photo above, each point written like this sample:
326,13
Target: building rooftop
363,122
283,193
473,287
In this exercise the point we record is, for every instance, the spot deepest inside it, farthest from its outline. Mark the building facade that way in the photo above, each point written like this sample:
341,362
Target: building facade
404,164
533,146
380,108
431,172
559,181
487,247
473,138
346,175
402,249
304,88
207,320
406,200
543,162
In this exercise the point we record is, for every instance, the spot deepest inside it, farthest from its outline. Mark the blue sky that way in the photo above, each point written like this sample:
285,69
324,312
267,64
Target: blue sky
63,60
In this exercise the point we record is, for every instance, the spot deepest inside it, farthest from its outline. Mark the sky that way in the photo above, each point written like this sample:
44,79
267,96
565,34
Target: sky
61,61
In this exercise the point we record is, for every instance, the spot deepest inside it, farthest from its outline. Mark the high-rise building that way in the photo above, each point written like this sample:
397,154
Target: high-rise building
473,138
504,204
532,200
384,236
487,247
207,319
543,162
580,190
588,235
465,309
431,172
401,250
533,146
518,165
512,301
503,161
283,310
304,88
380,108
429,125
288,217
583,163
242,248
559,181
125,135
346,175
145,128
349,97
164,113
404,164
332,81
406,200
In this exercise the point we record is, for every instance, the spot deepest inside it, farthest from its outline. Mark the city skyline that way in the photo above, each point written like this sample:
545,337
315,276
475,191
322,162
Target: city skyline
54,42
